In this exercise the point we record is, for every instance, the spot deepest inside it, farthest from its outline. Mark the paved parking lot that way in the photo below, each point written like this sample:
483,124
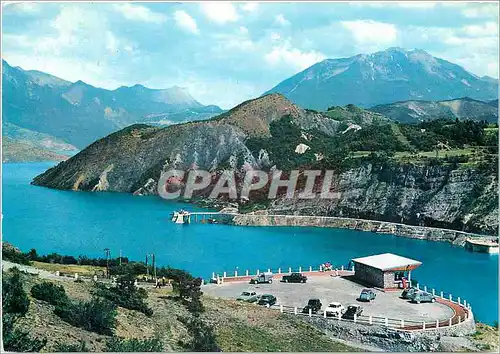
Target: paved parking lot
342,290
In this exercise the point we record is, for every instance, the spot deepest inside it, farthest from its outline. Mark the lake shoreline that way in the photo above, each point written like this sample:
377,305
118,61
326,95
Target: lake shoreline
403,230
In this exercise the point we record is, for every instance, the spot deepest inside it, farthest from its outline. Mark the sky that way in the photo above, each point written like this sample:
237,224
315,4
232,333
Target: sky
225,53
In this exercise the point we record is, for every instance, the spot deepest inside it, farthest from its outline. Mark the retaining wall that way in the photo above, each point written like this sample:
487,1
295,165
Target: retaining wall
411,231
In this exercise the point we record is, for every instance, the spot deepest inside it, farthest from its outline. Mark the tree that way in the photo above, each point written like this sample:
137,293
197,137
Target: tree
15,305
15,300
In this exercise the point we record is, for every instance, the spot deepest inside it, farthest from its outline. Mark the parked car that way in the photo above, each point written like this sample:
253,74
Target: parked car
408,293
266,277
351,311
335,309
267,300
367,295
294,278
423,297
248,296
314,305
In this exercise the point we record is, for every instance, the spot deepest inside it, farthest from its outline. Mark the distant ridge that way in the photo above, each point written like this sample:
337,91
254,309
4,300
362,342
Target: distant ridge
384,77
461,108
78,113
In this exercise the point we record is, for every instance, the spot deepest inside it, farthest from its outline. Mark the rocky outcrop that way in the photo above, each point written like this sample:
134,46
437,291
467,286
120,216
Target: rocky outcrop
451,197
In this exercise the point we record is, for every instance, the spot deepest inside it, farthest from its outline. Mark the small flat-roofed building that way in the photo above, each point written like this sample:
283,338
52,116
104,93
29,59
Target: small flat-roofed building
385,270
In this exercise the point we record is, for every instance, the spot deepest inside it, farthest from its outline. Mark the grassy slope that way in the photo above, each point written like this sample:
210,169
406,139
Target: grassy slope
238,326
15,151
70,268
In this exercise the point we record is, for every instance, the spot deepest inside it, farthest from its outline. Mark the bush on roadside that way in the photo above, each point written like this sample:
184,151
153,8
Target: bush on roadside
15,304
12,254
203,336
186,286
131,268
125,294
14,298
49,292
98,315
116,344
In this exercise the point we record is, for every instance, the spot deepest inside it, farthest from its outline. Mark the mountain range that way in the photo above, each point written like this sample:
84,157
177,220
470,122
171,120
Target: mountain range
50,114
384,77
78,113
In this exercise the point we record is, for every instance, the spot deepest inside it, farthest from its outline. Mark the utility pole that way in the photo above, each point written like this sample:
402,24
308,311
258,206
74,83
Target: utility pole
147,268
107,254
154,265
120,257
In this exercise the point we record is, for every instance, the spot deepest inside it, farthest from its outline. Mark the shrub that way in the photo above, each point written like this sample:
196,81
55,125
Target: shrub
15,301
97,315
10,253
132,268
126,295
116,344
49,292
72,348
186,286
18,340
203,337
14,305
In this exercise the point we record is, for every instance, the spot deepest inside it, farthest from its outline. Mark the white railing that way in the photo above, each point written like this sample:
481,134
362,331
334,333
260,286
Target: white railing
398,324
285,270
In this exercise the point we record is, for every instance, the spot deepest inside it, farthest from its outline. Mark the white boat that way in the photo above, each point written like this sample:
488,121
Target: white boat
483,246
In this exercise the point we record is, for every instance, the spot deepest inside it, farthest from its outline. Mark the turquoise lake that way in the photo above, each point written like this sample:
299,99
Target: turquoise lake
81,223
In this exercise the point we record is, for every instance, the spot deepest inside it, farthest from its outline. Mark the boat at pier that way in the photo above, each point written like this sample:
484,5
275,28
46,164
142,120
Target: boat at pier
483,246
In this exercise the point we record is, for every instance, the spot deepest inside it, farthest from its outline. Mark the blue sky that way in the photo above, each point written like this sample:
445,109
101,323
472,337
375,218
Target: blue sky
225,53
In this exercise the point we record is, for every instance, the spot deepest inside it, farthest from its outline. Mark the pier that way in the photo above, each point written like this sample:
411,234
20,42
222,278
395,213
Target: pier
187,217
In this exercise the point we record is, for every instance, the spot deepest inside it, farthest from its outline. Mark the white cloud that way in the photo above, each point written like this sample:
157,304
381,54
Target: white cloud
186,22
417,4
281,20
275,36
481,10
243,30
26,7
219,12
286,54
487,29
250,6
140,13
480,41
371,32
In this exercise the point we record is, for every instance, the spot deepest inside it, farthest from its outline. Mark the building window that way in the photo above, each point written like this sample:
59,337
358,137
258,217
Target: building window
398,276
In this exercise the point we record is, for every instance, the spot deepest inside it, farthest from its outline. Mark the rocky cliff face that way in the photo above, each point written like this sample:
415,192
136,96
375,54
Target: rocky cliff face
441,196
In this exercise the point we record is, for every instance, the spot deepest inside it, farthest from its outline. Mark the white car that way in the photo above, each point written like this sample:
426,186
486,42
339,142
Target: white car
335,309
